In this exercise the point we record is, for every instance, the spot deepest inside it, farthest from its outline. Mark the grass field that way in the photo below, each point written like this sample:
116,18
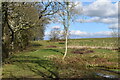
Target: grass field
44,60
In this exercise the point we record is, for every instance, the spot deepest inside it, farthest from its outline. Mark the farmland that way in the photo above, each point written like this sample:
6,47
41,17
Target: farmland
86,58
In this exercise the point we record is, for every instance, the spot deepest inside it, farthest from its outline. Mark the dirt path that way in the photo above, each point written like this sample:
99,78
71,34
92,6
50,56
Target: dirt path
93,47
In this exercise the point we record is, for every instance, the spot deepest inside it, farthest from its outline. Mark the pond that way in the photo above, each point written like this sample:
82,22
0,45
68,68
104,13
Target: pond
104,73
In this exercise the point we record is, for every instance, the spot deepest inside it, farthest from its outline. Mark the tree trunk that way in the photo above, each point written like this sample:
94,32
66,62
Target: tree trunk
6,43
67,29
66,44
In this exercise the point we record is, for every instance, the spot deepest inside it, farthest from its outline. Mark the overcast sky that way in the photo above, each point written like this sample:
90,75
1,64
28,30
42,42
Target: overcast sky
97,18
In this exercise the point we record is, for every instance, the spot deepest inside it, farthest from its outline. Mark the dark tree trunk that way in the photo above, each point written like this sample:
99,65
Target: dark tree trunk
6,44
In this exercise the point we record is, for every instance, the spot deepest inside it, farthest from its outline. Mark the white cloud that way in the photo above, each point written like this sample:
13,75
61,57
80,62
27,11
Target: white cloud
78,33
88,34
101,8
114,26
54,27
57,27
99,20
78,7
101,11
85,34
47,33
103,33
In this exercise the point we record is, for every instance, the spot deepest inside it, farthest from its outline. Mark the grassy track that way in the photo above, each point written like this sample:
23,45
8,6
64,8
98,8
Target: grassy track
44,60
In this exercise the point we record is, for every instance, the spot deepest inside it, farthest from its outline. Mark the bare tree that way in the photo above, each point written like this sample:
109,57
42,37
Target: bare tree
67,15
55,34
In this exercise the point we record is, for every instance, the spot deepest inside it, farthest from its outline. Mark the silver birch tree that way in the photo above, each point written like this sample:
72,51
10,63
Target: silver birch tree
67,15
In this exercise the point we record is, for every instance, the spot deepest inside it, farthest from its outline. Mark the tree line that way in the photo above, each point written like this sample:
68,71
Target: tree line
23,22
26,21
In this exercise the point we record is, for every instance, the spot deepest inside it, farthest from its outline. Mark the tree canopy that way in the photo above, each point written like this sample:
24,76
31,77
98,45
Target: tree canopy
22,22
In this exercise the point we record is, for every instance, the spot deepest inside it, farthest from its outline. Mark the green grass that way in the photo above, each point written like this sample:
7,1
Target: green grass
103,42
30,64
42,61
